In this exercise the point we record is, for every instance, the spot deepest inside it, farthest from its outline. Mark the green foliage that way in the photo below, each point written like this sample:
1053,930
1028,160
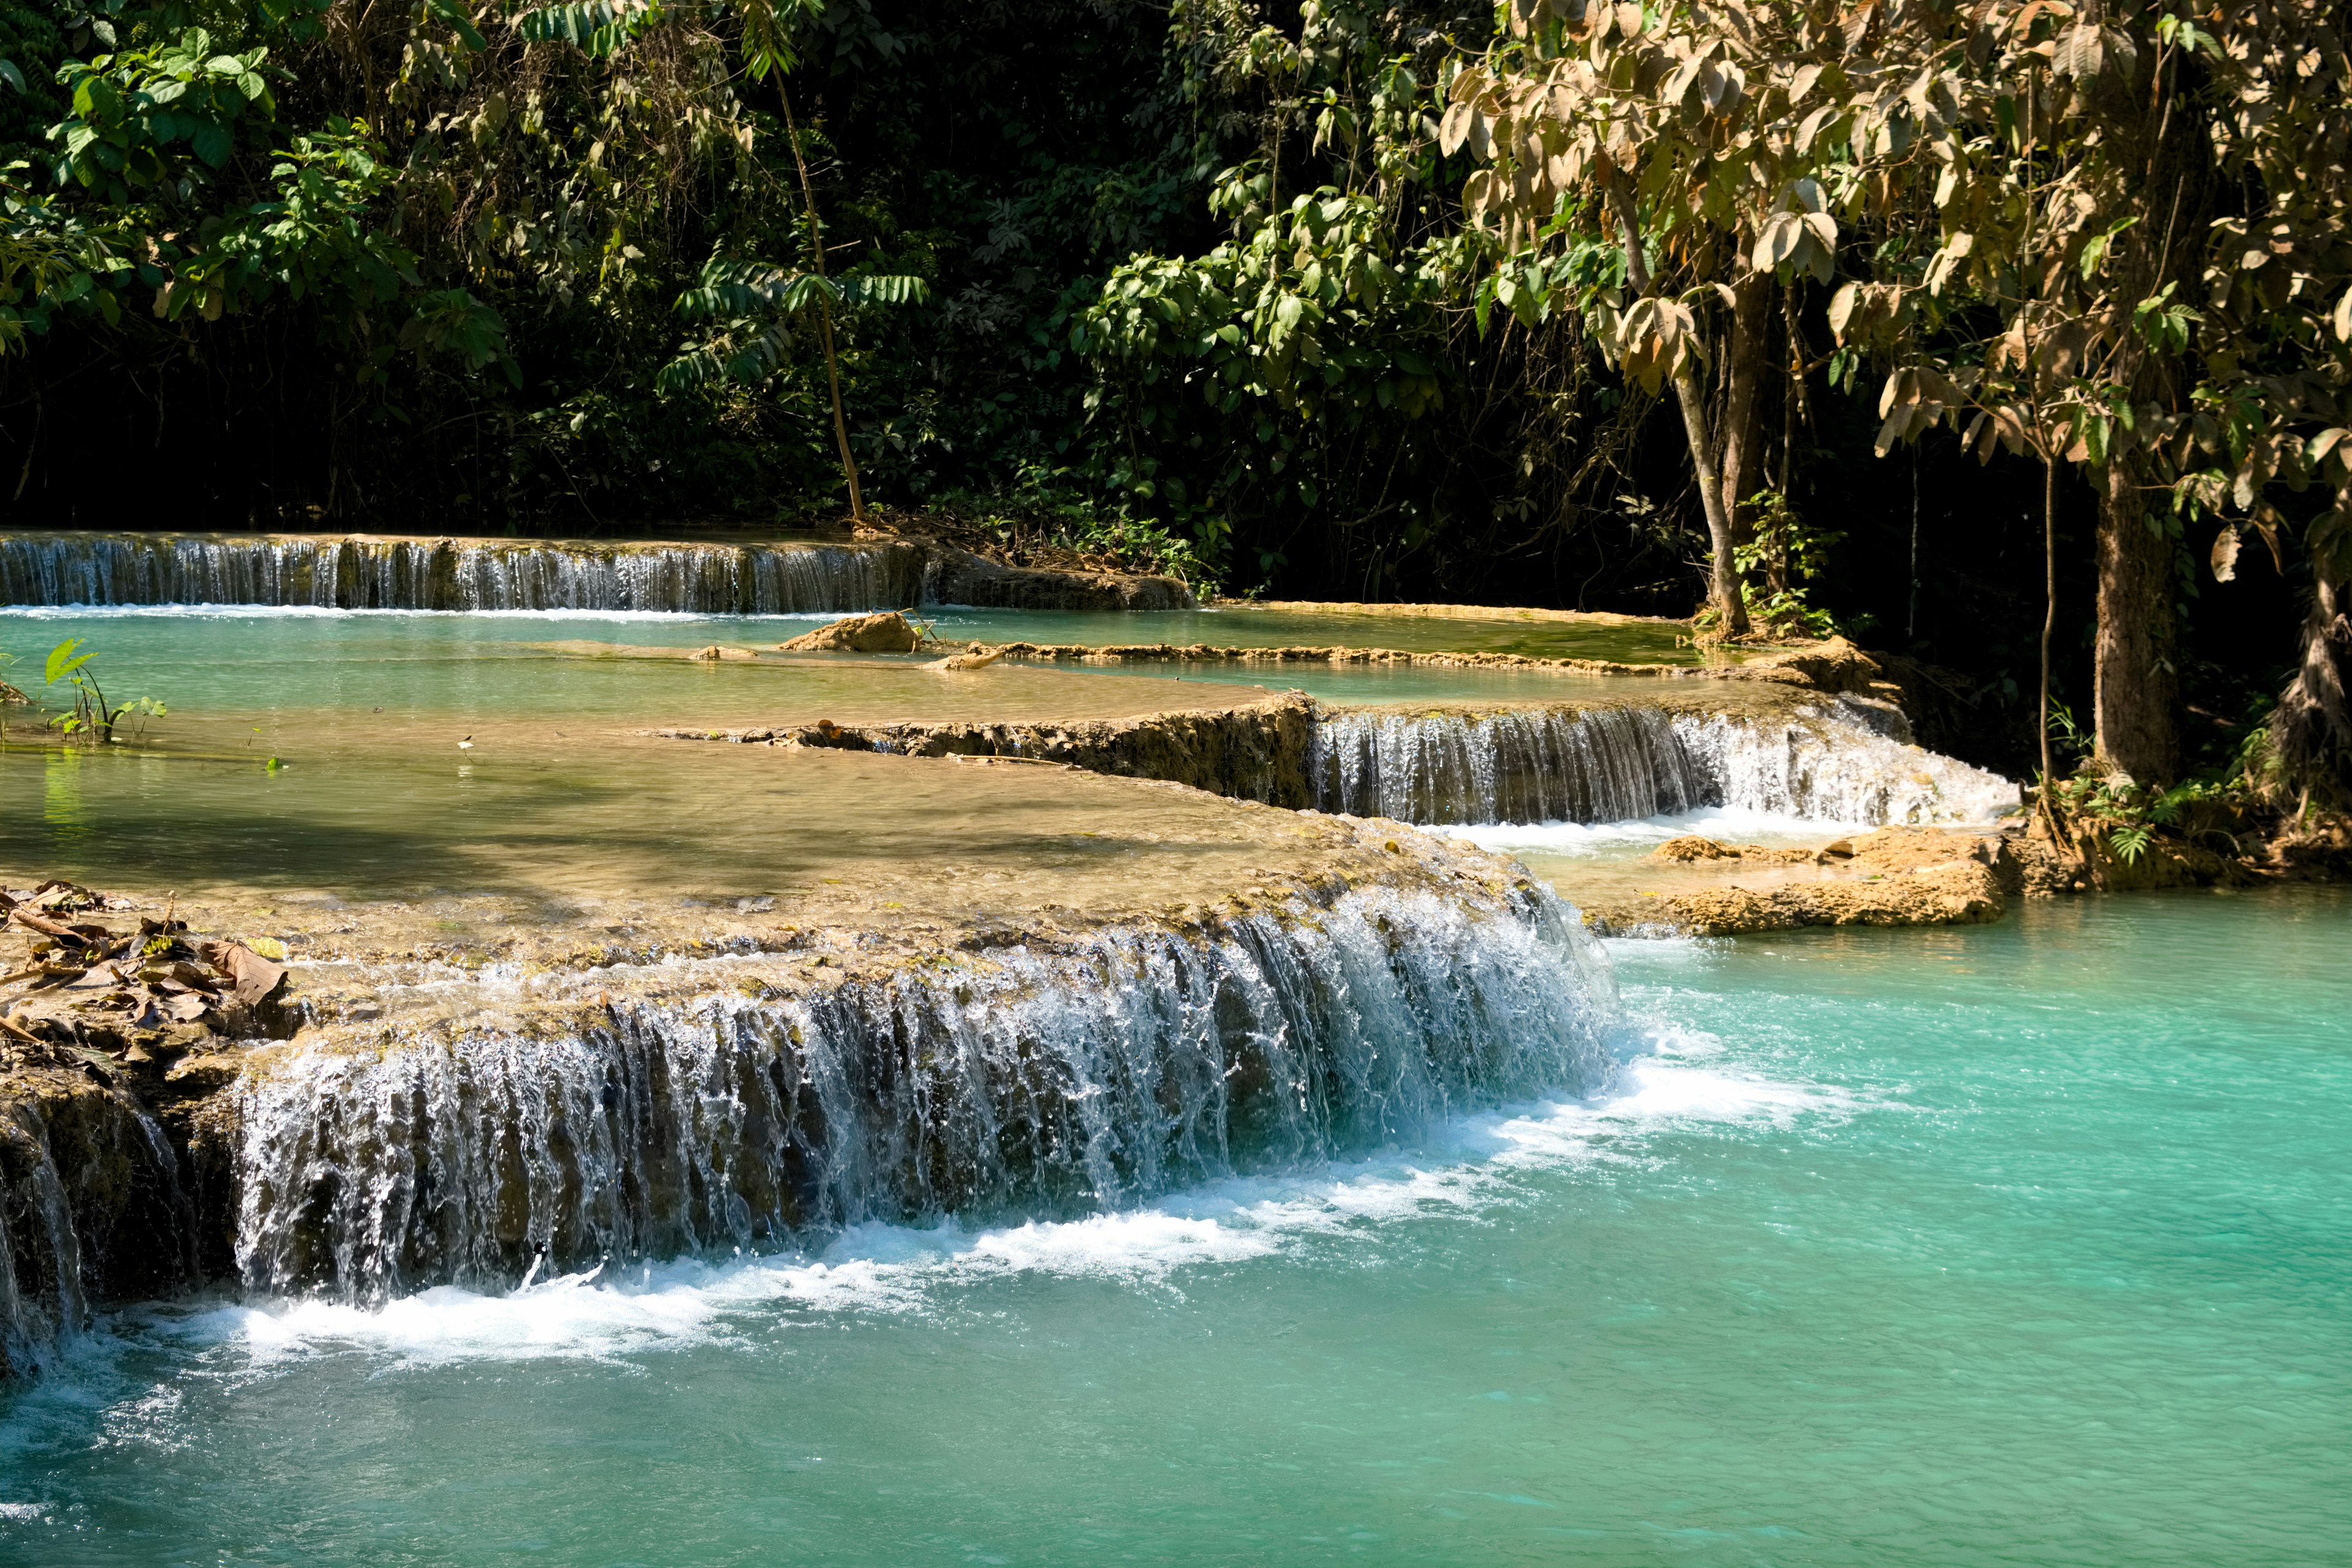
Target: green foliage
757,307
595,27
90,719
1786,554
140,117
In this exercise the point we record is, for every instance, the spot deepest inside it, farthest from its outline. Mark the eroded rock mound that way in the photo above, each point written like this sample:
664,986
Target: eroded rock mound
888,632
1895,877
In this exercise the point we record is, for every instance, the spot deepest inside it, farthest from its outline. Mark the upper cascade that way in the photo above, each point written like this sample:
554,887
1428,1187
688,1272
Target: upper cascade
1844,760
372,574
1019,1083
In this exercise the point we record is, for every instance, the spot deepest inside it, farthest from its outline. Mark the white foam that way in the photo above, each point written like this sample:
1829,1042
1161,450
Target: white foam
1566,839
1472,1165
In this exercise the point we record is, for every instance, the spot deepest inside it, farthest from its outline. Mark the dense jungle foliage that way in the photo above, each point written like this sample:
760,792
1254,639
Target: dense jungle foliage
1923,320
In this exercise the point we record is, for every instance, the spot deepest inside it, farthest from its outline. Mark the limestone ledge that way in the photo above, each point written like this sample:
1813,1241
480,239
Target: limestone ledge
1832,667
1895,877
1251,751
120,1174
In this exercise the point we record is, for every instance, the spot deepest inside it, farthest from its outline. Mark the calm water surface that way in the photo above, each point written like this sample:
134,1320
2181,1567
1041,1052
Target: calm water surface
2027,1243
272,666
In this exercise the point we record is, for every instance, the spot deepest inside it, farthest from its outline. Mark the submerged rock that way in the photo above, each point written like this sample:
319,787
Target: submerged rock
888,632
979,655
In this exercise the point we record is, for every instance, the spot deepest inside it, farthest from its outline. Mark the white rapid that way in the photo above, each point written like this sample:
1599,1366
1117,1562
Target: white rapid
1021,1084
358,574
1845,760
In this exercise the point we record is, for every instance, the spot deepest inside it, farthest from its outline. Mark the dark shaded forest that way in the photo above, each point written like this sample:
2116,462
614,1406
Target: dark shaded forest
1426,301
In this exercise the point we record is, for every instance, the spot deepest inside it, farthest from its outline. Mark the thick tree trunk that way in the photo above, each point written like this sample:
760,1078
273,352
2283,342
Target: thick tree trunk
2312,727
2137,689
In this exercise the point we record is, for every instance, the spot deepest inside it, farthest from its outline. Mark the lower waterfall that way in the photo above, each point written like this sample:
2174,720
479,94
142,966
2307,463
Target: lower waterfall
1836,763
1032,1084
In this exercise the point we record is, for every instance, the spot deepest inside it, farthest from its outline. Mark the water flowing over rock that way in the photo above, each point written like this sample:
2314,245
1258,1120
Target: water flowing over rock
358,574
1018,1083
1838,762
91,1205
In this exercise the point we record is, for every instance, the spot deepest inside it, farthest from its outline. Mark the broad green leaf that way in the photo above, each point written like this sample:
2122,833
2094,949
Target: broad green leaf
63,661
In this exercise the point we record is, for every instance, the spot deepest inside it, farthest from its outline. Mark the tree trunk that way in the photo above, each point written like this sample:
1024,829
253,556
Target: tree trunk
824,312
1723,589
1743,417
2135,686
2312,729
1723,582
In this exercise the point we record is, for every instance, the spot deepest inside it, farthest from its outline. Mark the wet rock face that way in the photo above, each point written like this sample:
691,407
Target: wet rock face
350,571
571,1082
94,1205
1257,752
953,576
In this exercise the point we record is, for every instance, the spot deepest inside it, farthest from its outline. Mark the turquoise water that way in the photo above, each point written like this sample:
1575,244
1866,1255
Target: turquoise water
1246,626
269,662
2022,1244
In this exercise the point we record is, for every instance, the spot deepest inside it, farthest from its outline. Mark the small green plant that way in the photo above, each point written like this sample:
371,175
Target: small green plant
1787,554
2129,844
92,718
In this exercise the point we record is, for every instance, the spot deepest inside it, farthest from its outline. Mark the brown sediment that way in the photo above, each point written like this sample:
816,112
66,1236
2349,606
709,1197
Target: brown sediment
887,632
1451,612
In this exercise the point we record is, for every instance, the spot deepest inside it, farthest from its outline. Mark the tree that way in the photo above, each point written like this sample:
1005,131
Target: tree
1734,132
2100,166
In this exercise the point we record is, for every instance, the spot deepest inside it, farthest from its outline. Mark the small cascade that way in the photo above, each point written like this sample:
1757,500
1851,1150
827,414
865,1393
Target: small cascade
328,573
1534,764
1022,1084
92,1204
1845,762
1835,769
42,1297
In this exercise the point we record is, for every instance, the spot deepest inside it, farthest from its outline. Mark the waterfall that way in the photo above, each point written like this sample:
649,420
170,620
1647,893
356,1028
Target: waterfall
92,1204
42,1298
1021,1083
1838,771
330,573
1534,764
1841,763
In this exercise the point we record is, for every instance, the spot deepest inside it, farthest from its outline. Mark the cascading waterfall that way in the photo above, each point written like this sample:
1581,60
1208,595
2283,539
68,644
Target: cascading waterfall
1027,1084
42,1299
454,575
1836,769
1535,764
1843,762
92,1204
